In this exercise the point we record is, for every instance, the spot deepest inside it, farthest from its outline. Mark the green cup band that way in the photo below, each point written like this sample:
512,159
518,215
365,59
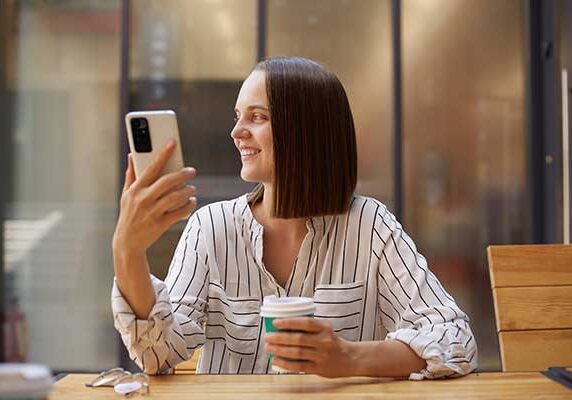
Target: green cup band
270,328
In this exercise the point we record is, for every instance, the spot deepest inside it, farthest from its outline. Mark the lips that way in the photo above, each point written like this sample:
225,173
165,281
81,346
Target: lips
248,152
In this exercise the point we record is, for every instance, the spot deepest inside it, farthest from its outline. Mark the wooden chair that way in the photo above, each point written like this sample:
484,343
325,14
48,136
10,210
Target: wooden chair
532,291
189,366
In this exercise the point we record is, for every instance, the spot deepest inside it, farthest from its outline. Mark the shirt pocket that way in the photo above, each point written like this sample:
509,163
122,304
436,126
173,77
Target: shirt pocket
233,320
341,307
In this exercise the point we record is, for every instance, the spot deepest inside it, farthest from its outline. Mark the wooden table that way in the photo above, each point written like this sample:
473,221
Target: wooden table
475,386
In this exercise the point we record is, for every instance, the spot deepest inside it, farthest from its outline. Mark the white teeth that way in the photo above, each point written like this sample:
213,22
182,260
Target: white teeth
249,152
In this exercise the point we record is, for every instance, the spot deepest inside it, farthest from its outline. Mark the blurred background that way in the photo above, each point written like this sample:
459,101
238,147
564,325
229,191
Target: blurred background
456,103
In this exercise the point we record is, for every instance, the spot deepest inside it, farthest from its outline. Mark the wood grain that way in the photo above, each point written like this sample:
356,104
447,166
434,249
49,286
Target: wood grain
521,308
535,350
530,265
482,386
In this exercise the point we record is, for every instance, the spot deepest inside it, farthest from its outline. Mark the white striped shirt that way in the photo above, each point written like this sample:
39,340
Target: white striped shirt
366,277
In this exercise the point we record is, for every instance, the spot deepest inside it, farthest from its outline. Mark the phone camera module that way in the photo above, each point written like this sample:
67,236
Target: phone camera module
141,137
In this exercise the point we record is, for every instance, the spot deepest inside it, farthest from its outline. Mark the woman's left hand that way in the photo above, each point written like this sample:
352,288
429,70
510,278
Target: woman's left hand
317,350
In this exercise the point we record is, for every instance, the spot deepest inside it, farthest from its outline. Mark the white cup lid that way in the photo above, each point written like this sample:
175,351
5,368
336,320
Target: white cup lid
277,307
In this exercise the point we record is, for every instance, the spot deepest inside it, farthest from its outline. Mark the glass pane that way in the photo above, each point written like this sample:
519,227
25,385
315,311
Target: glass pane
464,144
192,56
63,79
353,39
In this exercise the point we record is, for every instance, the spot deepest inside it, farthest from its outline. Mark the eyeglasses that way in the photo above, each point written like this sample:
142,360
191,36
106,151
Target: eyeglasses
123,382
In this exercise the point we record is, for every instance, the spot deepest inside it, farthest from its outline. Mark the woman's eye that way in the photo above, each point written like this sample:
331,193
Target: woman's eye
258,117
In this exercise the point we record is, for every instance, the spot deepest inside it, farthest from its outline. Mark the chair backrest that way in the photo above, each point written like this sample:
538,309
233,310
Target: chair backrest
532,291
189,366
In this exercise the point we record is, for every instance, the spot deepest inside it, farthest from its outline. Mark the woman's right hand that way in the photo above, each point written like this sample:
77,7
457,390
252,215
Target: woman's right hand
152,203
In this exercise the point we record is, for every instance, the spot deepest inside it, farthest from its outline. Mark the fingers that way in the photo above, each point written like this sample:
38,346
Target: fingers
151,173
300,324
129,173
293,352
293,339
167,183
294,365
174,200
171,217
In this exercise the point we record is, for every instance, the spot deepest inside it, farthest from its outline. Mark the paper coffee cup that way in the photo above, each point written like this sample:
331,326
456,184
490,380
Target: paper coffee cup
284,307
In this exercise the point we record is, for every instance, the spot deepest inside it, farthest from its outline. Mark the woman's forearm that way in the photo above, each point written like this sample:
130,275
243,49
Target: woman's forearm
134,282
388,358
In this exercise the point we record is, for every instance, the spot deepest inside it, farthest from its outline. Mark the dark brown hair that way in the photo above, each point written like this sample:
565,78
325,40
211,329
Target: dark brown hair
315,155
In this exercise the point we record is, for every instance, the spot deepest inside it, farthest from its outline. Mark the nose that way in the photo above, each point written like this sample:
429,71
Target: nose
239,132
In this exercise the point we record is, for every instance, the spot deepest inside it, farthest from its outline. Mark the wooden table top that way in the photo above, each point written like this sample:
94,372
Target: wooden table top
474,386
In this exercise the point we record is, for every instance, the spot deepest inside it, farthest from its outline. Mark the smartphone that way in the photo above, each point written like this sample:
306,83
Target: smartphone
148,133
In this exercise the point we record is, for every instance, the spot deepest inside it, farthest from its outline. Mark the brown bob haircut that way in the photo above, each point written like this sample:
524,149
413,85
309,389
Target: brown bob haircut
315,155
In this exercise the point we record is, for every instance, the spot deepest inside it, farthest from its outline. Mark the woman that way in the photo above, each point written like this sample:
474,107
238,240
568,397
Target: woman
301,232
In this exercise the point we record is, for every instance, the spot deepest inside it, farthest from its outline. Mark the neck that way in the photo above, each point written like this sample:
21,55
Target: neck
289,228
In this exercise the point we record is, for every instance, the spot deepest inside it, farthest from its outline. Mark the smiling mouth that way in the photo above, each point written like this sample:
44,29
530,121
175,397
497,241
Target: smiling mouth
246,154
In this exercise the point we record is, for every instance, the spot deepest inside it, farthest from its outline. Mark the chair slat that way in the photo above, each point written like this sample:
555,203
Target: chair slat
535,350
533,308
530,265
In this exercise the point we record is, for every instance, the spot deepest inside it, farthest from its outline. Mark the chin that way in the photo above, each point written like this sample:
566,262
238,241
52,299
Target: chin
251,176
248,176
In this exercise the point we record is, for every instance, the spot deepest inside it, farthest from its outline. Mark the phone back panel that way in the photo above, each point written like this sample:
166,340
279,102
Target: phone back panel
162,127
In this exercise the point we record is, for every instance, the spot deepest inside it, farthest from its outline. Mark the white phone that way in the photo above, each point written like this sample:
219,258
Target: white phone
148,133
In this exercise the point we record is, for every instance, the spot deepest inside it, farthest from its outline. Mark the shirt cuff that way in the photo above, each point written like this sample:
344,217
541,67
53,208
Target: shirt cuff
142,333
444,358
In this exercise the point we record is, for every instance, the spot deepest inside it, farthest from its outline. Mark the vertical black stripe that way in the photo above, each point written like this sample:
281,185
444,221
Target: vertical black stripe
222,359
190,283
334,249
367,278
346,236
183,258
309,258
247,263
212,357
257,346
260,322
236,252
213,231
268,365
374,323
156,358
318,262
292,275
239,365
225,246
359,235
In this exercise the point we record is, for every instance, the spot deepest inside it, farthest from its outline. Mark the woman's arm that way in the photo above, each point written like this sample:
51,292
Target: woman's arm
318,350
390,358
416,310
173,328
145,214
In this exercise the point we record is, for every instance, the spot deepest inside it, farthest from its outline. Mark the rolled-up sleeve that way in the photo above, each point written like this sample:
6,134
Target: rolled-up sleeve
175,325
416,310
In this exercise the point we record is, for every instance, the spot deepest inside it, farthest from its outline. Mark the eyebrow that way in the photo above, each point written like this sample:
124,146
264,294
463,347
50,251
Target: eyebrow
254,106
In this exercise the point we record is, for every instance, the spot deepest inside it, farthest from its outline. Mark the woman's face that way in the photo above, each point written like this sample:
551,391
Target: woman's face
252,133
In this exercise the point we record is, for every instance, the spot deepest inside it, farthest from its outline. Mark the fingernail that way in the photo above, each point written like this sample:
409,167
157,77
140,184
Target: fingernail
171,143
193,199
190,170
